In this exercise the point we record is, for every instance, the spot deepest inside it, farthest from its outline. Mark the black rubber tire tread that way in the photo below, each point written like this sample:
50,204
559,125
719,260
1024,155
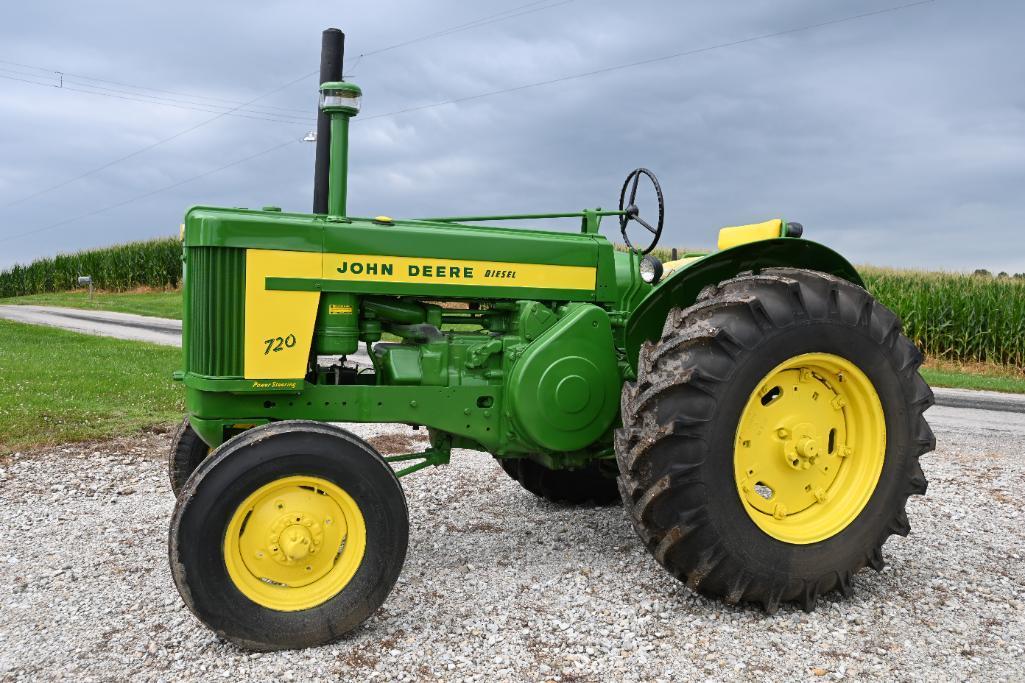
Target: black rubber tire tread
586,485
237,468
675,450
187,451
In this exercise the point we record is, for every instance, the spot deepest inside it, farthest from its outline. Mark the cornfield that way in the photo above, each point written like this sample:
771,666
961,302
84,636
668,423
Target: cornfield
156,263
950,316
953,316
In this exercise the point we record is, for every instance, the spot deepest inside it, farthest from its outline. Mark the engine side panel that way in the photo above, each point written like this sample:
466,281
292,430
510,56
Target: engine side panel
563,391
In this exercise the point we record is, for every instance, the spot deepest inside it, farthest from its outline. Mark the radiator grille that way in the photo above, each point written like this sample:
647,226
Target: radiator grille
216,310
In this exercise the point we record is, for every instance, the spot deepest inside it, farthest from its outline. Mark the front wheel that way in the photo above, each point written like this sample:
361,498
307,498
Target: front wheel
186,452
772,438
290,536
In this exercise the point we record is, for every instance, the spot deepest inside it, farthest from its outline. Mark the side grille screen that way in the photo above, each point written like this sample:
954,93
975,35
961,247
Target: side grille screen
216,282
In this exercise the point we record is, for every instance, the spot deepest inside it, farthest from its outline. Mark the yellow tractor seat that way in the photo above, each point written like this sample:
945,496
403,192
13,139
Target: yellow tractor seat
742,234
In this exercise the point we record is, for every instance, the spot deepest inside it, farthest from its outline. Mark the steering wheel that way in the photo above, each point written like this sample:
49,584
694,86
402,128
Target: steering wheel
632,213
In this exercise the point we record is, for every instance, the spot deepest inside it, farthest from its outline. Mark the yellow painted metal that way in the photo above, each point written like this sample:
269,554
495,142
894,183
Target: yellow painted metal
670,266
742,234
414,270
294,543
278,325
809,448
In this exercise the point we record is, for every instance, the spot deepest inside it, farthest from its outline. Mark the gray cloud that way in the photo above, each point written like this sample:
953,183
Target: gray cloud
897,139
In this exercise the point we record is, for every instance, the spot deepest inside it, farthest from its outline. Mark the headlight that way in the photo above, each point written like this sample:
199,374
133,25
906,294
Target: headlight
651,269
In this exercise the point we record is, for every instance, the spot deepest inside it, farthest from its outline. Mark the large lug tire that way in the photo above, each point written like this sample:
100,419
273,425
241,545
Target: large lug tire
717,398
187,451
586,485
290,536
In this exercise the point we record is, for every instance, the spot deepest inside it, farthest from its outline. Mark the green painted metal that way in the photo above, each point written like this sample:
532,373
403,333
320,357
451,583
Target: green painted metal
339,167
454,410
590,218
517,370
486,388
681,288
522,216
340,100
250,229
337,329
214,312
432,457
563,392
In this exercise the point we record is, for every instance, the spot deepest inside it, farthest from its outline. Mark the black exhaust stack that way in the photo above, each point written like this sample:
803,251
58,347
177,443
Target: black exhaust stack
332,51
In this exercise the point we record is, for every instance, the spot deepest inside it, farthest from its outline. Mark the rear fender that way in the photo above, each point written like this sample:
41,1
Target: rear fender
681,288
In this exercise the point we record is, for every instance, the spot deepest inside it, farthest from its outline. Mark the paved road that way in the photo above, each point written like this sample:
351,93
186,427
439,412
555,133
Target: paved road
168,332
162,331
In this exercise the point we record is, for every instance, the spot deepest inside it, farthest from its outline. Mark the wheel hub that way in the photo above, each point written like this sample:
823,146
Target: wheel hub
794,439
294,543
294,537
801,446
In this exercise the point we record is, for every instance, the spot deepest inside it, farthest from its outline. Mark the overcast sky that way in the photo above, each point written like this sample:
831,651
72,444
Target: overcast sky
897,139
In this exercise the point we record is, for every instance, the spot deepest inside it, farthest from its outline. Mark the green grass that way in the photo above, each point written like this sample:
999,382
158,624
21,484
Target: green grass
62,386
160,304
988,377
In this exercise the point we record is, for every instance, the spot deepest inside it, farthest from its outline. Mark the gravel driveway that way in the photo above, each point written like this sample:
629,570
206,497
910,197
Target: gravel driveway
501,586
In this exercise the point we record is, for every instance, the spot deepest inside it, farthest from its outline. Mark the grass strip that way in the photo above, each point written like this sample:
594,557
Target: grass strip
160,304
60,386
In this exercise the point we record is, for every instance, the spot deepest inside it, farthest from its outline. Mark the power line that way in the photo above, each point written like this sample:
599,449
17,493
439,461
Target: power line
652,60
93,79
166,102
204,103
498,16
204,100
136,198
146,148
594,72
476,23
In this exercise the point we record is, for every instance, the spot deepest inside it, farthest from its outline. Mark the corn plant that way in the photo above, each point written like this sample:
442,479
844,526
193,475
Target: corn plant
154,263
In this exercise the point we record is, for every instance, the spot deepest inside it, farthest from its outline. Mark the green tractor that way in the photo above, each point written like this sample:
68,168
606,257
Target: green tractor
757,413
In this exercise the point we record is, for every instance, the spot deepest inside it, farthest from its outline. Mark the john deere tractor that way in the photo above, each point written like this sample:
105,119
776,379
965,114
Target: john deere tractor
757,413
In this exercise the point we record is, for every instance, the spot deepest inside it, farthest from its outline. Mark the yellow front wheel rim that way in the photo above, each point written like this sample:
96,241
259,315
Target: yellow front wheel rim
294,543
809,448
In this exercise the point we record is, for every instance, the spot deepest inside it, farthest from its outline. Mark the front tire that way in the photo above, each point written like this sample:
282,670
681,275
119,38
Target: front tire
772,438
186,452
290,536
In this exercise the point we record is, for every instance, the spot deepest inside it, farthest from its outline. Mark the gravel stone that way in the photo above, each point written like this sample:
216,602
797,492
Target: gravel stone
501,586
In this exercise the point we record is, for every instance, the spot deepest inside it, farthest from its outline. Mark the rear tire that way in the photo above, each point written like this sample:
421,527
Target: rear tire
290,536
682,439
589,484
187,451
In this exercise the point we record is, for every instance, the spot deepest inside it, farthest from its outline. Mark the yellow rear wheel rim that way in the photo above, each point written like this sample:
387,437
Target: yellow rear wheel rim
809,448
294,543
